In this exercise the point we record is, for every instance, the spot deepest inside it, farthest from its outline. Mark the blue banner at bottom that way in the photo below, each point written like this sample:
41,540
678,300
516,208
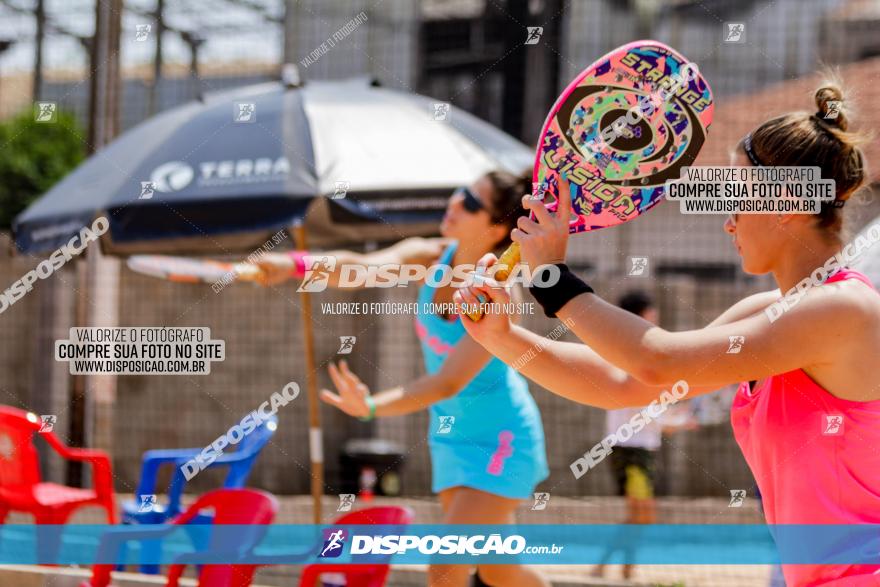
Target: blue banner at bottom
568,544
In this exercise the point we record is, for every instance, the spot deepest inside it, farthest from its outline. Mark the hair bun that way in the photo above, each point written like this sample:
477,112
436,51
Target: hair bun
829,101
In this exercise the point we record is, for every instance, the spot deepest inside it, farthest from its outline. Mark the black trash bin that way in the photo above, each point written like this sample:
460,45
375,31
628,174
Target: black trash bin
371,461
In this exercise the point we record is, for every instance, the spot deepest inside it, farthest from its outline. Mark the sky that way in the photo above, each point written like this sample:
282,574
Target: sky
233,31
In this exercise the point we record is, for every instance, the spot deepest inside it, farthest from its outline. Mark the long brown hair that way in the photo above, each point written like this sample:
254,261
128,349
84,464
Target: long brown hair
507,192
821,139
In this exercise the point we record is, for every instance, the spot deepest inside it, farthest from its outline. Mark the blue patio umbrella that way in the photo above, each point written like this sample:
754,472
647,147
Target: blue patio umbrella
221,175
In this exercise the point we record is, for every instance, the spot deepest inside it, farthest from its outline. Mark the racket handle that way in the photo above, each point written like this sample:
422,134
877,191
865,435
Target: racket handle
510,258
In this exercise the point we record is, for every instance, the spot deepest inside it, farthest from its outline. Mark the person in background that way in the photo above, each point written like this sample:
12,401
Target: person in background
633,460
485,436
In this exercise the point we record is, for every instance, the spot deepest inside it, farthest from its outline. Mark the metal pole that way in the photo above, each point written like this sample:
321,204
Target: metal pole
104,86
290,36
194,40
93,396
5,44
40,17
194,67
153,99
316,443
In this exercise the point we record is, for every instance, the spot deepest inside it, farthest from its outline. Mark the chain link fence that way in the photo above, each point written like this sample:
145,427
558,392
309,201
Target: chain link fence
467,52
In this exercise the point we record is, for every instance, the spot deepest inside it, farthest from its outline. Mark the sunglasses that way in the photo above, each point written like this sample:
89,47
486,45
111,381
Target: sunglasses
471,202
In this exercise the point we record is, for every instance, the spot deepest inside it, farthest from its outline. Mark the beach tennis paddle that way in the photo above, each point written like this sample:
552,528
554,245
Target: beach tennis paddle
622,128
186,270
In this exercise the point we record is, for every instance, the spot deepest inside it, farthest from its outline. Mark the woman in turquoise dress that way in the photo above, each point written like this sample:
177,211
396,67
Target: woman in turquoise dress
485,434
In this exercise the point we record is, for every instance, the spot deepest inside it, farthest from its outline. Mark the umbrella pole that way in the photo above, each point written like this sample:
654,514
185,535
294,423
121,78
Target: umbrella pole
316,448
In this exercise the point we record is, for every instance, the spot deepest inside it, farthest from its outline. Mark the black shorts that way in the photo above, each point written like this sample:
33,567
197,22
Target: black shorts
634,471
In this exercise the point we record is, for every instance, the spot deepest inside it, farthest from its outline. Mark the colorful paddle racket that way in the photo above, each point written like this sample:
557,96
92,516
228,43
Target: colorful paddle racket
622,128
185,270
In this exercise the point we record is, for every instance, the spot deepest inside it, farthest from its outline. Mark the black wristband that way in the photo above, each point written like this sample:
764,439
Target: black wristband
553,297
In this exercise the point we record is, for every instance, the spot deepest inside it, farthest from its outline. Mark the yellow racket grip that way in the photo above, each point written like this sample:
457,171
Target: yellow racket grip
508,260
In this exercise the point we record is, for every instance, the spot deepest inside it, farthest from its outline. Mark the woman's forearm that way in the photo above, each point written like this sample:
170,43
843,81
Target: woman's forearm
412,397
344,258
571,370
626,340
703,357
391,258
375,258
461,365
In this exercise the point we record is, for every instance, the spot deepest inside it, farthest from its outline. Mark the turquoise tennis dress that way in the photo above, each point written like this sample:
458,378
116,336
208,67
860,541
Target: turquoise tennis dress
488,436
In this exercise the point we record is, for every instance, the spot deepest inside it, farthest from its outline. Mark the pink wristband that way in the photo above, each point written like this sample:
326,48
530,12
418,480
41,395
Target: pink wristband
299,263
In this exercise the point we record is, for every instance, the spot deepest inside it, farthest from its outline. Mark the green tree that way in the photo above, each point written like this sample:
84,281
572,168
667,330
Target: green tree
33,157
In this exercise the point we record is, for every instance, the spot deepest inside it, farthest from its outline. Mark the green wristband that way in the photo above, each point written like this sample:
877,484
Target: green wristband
372,414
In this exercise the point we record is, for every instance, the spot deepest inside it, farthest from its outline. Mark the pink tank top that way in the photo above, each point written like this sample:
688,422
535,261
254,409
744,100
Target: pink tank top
815,457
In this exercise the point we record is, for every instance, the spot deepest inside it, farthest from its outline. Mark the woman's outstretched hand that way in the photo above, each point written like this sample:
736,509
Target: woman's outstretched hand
352,392
485,290
543,241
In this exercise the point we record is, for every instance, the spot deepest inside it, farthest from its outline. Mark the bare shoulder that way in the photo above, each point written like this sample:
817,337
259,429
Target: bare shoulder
845,319
844,311
852,297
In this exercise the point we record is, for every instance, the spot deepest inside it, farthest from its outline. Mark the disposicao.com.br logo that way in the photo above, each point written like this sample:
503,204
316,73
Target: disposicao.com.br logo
319,268
431,544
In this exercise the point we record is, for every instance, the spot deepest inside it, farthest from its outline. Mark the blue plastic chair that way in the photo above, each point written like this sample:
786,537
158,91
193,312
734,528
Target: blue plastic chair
239,459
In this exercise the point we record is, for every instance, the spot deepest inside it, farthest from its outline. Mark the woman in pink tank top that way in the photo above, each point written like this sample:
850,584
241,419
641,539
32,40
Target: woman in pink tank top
808,423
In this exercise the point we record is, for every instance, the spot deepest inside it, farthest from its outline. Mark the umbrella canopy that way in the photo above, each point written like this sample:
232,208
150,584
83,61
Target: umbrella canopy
222,174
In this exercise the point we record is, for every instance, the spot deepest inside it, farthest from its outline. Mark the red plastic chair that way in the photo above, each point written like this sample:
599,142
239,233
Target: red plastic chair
231,507
361,575
21,488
